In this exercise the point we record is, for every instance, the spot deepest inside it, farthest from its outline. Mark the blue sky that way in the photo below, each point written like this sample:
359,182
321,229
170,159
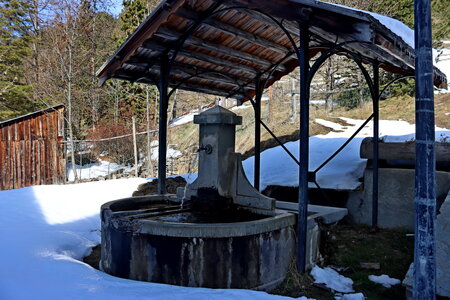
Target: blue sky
116,7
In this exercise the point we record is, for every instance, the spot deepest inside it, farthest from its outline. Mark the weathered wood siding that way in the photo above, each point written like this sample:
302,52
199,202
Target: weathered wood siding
31,150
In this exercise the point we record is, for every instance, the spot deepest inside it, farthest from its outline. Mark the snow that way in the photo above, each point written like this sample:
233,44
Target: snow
407,35
397,27
384,280
357,296
332,279
46,230
344,171
240,107
171,153
94,170
183,119
329,124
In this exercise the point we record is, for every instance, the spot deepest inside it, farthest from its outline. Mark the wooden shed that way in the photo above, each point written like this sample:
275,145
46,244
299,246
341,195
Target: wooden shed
31,149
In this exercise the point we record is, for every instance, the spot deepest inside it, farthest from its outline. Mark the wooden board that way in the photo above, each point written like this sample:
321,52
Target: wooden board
401,151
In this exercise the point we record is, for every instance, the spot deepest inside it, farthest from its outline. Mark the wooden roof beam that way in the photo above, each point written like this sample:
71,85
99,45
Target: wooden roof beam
212,60
205,76
173,35
231,30
147,77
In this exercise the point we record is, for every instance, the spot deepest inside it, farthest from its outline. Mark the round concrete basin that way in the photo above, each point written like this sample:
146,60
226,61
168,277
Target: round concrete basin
154,239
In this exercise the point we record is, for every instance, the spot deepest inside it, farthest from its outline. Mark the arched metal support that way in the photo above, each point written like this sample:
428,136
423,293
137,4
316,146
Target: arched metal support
392,82
374,87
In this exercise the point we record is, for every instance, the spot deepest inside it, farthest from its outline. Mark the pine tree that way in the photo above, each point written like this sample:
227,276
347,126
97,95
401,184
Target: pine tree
15,42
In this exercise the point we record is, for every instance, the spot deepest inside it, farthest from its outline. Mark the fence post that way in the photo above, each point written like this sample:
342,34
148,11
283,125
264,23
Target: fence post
136,172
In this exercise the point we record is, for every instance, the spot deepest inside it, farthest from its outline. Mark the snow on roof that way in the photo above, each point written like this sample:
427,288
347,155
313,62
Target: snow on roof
394,25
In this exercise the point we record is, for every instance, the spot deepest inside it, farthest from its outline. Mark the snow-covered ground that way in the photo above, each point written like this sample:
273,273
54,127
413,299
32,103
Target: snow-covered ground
103,168
332,279
94,170
384,280
345,170
46,230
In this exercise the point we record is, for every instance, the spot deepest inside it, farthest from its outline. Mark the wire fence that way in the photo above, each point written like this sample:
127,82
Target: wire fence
126,155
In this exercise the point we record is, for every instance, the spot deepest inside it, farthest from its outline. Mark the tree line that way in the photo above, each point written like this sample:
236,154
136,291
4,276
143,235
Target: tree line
51,49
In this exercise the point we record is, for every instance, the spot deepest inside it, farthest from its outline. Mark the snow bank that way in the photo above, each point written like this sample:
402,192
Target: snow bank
46,230
384,280
88,171
332,279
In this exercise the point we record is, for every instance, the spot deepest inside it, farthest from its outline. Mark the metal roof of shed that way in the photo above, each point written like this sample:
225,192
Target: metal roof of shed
231,48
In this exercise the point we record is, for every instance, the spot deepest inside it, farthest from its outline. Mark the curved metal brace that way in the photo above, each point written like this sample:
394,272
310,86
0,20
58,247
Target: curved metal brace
394,81
274,69
148,78
329,53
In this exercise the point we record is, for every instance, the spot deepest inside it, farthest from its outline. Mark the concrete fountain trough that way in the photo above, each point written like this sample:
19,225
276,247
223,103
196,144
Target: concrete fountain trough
218,232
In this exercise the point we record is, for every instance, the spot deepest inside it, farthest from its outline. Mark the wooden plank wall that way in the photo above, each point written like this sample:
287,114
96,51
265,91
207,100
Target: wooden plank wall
31,150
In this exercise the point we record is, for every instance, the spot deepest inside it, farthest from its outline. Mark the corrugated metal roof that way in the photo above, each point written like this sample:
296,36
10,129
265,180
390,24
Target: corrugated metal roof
226,52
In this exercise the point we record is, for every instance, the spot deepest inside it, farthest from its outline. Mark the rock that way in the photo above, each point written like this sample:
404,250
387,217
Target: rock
148,188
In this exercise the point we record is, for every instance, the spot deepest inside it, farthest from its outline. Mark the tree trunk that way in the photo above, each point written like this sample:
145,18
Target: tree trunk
69,104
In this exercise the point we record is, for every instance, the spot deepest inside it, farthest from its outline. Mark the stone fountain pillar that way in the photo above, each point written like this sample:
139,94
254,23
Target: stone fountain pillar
221,180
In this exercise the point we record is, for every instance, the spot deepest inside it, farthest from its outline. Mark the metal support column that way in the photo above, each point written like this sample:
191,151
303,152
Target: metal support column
376,134
257,107
163,103
424,285
304,148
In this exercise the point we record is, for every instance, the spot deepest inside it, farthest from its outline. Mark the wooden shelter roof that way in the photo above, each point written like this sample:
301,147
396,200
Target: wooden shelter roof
227,51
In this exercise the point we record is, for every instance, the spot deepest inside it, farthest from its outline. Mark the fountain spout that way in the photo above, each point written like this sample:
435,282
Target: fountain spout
221,181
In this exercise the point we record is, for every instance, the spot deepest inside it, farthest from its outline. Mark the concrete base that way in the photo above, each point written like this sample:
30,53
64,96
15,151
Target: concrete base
154,239
396,198
442,253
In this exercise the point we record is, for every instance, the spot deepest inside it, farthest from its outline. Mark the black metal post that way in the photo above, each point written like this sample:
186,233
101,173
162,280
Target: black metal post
163,103
302,224
424,285
376,134
257,107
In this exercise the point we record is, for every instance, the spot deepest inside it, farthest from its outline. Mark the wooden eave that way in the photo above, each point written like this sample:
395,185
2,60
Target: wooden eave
30,115
227,52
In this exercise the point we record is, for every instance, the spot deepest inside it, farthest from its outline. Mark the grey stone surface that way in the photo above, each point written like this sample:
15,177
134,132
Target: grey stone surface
327,214
249,254
396,198
442,253
221,168
443,249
